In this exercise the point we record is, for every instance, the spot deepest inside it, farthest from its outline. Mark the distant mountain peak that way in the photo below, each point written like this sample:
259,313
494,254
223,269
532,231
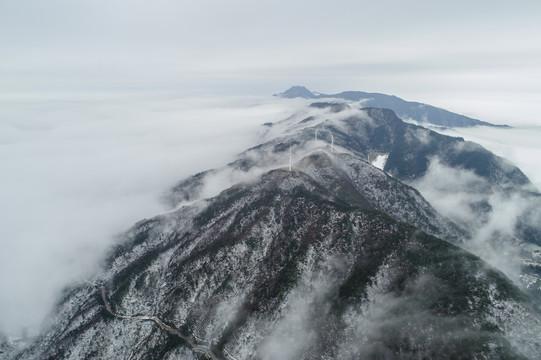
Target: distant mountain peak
407,110
297,91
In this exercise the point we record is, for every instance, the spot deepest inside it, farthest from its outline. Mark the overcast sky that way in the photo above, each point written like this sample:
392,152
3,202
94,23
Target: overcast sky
106,103
482,58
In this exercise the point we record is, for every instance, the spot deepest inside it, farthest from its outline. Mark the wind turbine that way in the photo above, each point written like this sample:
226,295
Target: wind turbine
316,134
290,156
332,142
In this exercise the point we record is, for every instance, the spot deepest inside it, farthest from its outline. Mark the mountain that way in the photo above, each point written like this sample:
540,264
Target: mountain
5,347
421,113
335,259
491,201
297,91
354,180
294,265
369,132
411,147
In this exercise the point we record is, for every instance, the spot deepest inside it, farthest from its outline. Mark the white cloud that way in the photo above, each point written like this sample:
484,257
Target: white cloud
491,215
519,144
76,172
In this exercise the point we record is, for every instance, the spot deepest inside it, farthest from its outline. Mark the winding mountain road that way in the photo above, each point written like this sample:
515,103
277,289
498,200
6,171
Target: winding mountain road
199,348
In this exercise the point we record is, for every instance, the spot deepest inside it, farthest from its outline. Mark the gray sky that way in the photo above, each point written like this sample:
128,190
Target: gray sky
482,58
106,103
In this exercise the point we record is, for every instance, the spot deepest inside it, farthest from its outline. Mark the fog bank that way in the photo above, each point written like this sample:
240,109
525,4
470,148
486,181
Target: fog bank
76,170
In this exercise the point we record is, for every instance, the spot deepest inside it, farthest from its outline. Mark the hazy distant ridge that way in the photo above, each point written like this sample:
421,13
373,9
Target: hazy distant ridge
406,110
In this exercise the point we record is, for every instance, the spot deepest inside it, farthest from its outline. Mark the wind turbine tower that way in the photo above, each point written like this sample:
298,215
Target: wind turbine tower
290,156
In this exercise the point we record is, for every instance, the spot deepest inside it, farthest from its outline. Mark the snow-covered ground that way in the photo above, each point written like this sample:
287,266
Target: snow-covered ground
380,161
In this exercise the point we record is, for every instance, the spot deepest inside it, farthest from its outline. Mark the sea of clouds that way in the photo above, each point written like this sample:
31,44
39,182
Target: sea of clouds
77,169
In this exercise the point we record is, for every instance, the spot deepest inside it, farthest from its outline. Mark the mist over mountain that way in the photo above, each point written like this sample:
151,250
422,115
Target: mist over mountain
485,195
284,268
406,110
385,240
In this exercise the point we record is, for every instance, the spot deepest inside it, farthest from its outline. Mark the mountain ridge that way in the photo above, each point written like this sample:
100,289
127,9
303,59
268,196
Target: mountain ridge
288,251
422,113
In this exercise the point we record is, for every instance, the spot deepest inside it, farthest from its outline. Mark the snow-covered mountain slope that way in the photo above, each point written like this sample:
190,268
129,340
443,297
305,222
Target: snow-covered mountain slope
351,178
488,198
5,346
293,265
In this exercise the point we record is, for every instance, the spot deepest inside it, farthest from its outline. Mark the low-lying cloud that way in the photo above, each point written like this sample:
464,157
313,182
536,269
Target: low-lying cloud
491,215
519,144
77,170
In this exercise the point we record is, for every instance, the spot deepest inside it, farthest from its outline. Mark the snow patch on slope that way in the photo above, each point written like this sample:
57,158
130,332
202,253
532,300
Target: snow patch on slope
380,161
